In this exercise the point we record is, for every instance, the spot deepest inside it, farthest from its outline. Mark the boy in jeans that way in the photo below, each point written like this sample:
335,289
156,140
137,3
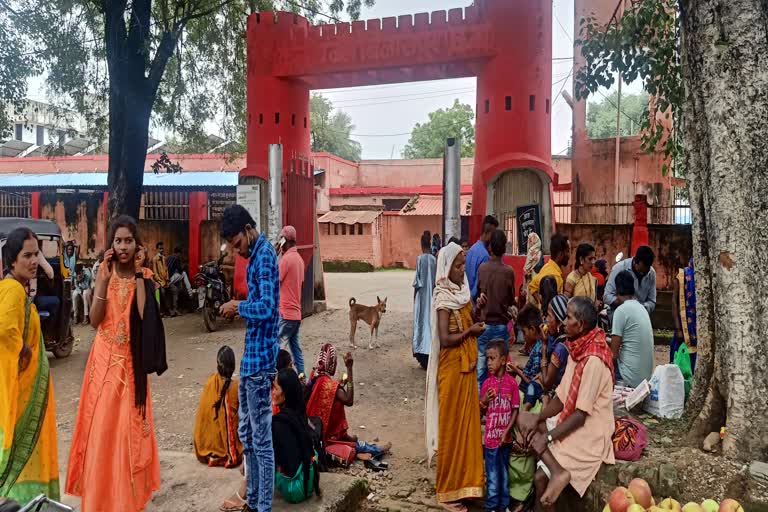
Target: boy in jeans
500,402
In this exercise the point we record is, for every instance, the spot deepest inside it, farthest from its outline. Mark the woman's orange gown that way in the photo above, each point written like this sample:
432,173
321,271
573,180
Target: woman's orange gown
113,462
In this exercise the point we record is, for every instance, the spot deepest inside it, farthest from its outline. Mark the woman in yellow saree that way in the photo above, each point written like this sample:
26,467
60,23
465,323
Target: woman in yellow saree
28,456
215,438
453,406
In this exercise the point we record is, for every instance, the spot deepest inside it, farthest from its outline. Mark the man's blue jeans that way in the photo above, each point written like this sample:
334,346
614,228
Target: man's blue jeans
497,478
492,332
289,336
255,431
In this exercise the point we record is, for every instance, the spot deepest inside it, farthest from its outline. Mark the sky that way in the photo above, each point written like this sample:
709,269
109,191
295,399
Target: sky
384,115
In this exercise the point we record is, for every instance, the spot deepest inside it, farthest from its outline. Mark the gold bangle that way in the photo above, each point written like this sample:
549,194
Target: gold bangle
100,298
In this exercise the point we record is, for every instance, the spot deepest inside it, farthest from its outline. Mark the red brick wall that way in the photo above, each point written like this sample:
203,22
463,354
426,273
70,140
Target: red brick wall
670,243
338,247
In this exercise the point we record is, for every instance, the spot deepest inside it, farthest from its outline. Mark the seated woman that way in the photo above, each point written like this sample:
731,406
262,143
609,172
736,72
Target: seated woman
215,439
297,473
328,397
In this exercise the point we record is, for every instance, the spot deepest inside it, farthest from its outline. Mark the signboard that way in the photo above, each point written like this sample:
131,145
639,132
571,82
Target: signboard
249,197
528,221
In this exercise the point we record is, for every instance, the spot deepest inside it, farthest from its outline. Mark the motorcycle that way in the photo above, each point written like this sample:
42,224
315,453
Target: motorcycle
212,290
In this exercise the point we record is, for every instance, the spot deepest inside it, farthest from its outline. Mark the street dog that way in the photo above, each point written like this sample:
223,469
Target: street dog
368,314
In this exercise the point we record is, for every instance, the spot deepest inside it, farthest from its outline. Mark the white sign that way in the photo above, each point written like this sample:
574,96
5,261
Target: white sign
249,197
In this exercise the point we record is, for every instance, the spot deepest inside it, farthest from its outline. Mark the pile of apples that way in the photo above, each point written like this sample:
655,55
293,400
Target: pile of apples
637,497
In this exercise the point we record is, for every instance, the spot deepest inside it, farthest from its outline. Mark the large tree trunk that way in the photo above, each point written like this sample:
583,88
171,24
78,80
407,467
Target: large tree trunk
725,68
128,137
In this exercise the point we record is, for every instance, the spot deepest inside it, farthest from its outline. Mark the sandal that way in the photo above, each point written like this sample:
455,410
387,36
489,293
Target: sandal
232,505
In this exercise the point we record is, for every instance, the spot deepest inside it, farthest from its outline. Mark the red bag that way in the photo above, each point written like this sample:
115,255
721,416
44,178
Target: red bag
340,454
629,439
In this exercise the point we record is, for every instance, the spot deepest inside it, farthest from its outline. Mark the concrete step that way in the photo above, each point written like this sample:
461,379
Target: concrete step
189,485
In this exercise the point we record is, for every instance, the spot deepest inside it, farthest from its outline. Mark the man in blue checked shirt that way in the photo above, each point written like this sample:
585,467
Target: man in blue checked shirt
257,367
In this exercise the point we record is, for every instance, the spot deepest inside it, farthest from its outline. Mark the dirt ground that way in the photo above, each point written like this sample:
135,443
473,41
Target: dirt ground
389,383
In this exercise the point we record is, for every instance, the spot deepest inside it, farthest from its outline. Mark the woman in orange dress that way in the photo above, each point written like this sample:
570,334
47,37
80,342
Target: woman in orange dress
113,462
453,406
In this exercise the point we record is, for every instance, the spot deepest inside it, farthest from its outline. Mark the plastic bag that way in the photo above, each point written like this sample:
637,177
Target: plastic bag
683,360
667,392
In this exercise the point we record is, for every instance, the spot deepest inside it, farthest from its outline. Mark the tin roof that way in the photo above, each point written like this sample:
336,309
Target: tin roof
350,216
196,179
432,205
41,227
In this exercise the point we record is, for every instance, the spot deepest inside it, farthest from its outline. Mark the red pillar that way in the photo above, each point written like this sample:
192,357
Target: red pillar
640,227
36,210
198,212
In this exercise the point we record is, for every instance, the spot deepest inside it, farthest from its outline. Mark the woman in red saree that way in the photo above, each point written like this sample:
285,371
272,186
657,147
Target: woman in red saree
329,397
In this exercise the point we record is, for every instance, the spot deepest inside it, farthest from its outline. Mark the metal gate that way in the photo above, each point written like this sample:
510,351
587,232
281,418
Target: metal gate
299,212
516,187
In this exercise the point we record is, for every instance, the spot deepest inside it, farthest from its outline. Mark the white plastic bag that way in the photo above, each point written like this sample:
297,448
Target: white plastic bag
667,392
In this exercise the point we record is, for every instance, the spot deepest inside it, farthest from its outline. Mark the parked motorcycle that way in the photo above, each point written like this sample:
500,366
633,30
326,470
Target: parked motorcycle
212,290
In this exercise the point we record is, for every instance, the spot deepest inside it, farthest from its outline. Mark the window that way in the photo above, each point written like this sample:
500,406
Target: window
277,117
359,229
293,119
40,136
394,205
547,105
19,127
508,103
352,229
261,118
335,229
305,122
166,205
328,228
343,229
487,106
531,102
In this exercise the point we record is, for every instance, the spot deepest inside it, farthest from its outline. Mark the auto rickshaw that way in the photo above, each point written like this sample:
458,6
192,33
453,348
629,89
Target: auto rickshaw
56,327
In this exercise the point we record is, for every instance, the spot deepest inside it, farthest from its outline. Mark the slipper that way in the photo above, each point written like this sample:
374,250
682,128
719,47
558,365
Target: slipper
376,465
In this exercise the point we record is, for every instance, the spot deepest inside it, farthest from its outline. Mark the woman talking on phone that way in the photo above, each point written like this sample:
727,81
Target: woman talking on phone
113,462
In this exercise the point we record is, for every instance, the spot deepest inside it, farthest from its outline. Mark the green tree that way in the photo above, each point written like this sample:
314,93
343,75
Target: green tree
601,115
331,131
428,139
16,66
177,63
705,61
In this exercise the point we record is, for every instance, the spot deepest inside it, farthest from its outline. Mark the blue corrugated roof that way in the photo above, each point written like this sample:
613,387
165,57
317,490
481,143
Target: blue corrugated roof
99,180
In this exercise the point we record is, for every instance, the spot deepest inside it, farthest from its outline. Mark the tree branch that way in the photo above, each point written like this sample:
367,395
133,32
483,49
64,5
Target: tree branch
163,54
194,15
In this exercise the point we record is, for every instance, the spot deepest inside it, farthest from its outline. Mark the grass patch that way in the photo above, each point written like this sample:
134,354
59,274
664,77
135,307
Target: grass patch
347,266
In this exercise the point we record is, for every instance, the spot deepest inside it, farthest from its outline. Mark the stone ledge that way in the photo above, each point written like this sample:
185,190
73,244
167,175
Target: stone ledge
188,485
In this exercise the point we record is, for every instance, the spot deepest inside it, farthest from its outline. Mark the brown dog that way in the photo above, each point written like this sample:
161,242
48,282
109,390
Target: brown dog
368,314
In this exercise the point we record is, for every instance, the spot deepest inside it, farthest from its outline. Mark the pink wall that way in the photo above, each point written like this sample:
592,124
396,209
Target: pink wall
338,247
401,238
100,163
407,173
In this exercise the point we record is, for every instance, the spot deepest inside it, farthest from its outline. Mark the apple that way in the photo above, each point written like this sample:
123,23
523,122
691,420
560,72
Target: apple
636,508
620,499
692,507
641,491
710,506
730,505
654,508
670,504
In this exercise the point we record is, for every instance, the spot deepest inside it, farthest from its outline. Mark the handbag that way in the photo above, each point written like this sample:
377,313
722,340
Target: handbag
629,439
340,454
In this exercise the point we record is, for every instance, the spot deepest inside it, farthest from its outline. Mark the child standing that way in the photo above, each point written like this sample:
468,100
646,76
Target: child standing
500,402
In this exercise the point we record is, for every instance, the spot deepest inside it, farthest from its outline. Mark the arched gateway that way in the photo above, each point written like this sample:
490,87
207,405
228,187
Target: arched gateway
506,44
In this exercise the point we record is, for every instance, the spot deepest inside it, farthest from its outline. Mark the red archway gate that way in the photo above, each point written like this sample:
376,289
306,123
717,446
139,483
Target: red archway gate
506,44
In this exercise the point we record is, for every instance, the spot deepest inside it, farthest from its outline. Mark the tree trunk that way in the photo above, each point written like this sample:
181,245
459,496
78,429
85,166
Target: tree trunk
129,114
725,69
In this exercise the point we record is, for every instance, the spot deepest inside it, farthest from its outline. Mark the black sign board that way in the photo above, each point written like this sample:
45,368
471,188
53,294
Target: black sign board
528,221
